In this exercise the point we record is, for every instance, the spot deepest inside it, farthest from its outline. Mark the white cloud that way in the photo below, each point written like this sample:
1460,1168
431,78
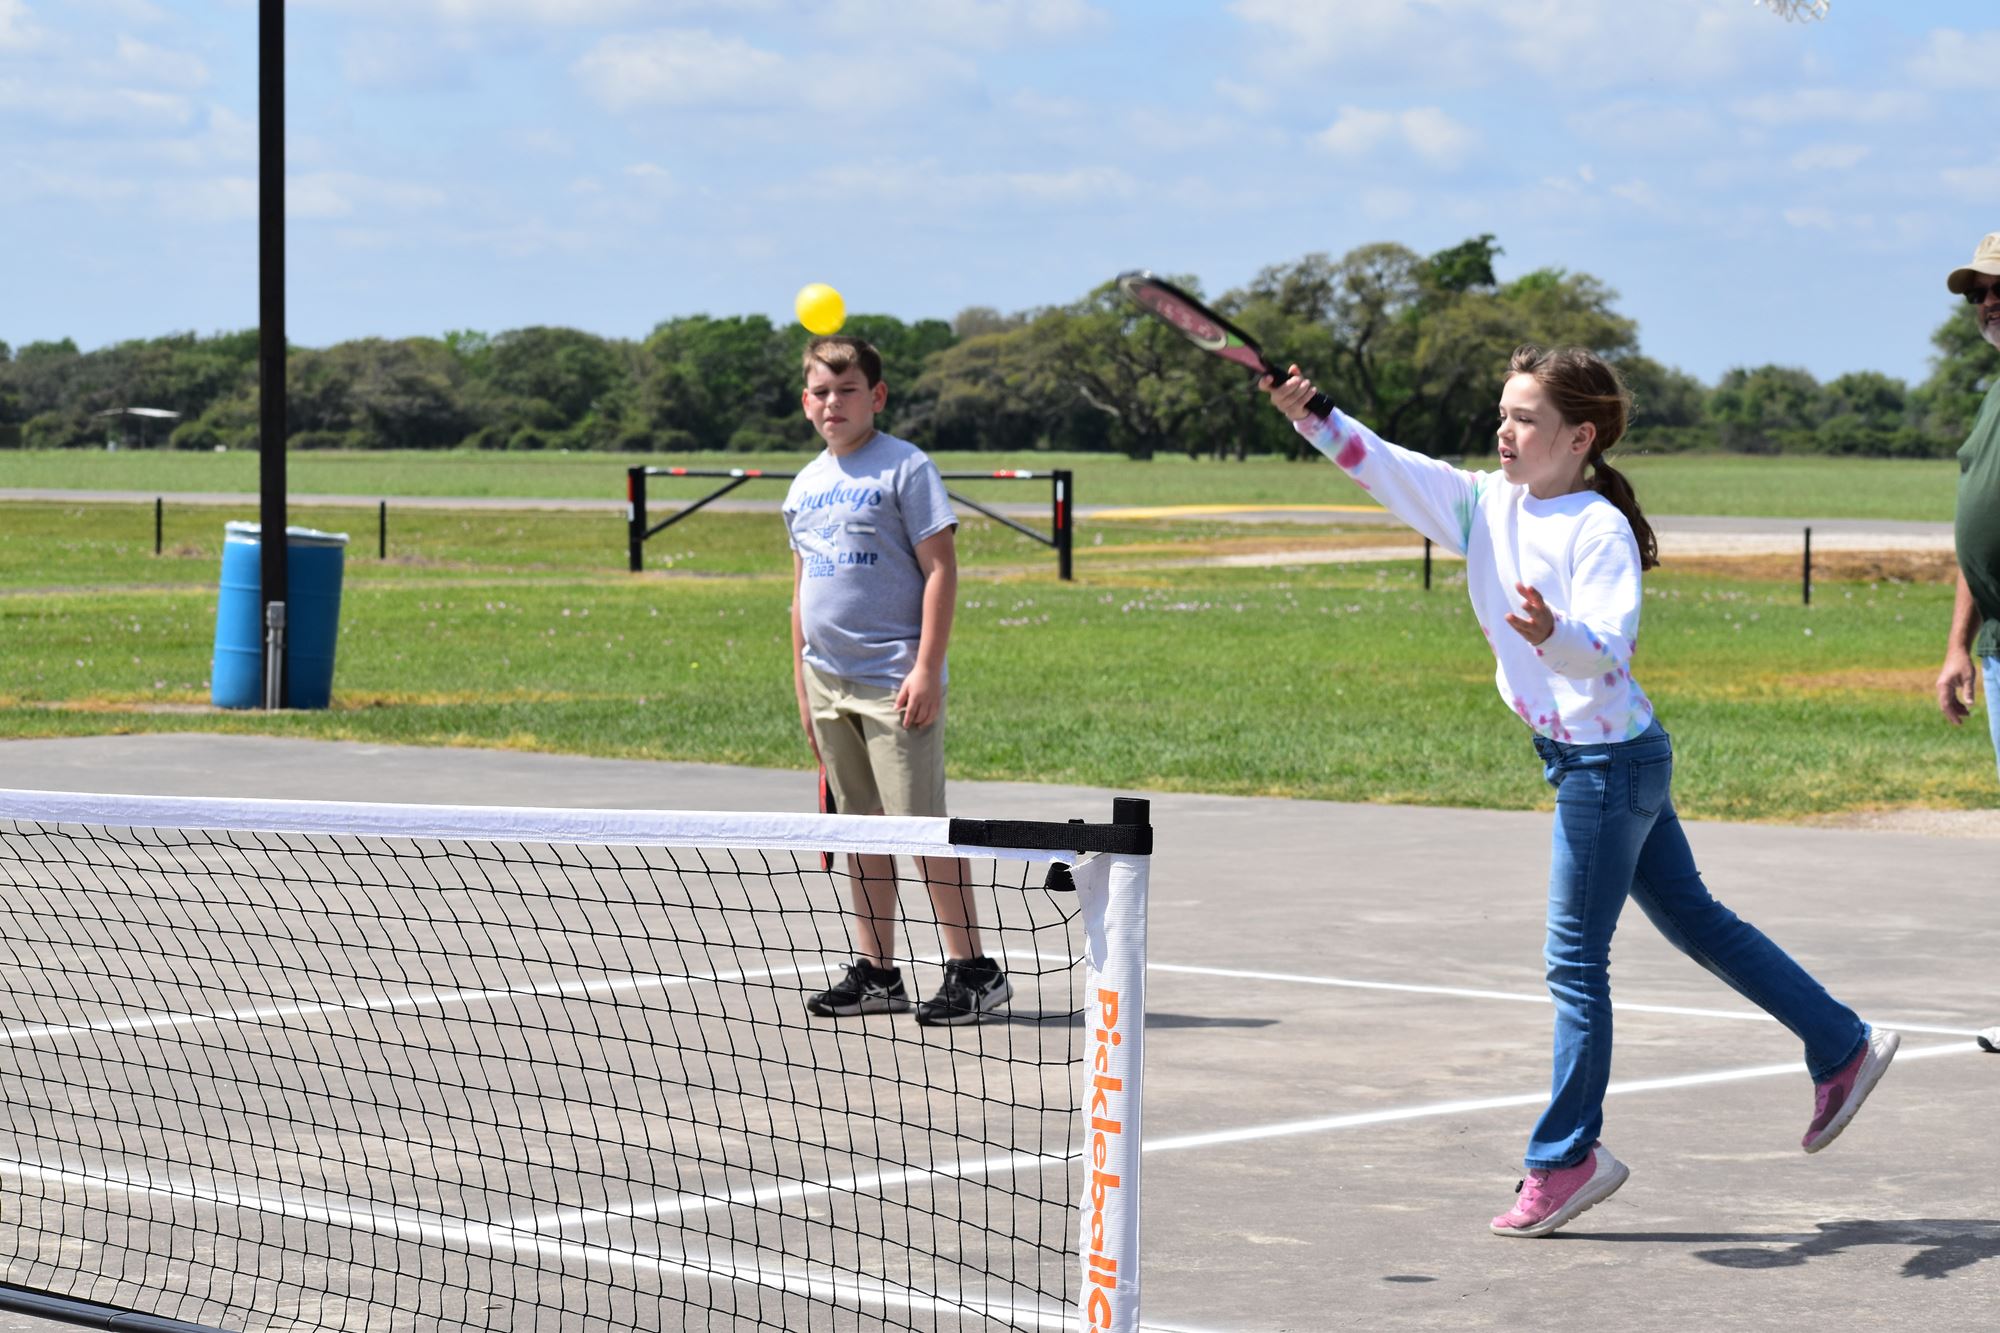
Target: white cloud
1980,183
1463,44
1079,185
18,31
1809,219
118,108
1436,137
683,67
1250,97
1162,129
697,69
523,239
1356,132
321,195
577,13
927,187
1838,106
983,24
380,60
1426,131
228,139
1639,194
543,142
1383,203
220,199
75,185
1038,105
156,65
364,239
130,11
653,177
1638,126
1953,59
1829,157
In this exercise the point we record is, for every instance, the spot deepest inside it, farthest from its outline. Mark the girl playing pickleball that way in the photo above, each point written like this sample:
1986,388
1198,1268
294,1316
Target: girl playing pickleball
1555,547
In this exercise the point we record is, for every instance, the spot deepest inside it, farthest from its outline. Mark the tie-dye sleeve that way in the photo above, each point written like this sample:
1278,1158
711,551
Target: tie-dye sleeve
1430,495
1597,633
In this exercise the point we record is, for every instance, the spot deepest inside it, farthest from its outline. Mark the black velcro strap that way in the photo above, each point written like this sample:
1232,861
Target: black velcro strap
1037,836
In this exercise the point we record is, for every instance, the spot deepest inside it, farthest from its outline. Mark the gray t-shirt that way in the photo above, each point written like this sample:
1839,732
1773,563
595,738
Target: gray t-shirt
855,522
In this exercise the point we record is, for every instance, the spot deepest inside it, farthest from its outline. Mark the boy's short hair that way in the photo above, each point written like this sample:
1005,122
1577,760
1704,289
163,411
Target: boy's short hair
840,353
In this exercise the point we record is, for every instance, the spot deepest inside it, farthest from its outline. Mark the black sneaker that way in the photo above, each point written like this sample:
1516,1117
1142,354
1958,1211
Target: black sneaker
972,986
865,989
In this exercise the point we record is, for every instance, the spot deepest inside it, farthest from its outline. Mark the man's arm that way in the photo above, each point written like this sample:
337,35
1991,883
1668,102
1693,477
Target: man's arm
1954,683
922,692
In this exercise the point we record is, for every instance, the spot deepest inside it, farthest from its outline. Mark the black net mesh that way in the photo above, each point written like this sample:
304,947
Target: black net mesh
299,1081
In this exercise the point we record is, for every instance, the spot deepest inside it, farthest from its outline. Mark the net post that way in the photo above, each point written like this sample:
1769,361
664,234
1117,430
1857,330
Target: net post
1063,525
1427,564
271,345
635,518
1111,892
159,521
382,530
274,655
1805,571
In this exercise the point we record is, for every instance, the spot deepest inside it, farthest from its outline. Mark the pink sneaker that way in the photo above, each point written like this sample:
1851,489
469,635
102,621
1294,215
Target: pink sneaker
1836,1100
1549,1199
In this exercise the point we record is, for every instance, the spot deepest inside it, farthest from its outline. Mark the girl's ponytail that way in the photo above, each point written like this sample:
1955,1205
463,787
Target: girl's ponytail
1612,484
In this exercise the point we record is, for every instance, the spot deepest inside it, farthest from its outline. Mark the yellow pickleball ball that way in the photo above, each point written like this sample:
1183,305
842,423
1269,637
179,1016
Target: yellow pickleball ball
820,308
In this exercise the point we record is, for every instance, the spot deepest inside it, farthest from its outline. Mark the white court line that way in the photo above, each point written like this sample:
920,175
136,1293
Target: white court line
1321,1125
528,1235
1514,997
680,1205
434,999
503,1239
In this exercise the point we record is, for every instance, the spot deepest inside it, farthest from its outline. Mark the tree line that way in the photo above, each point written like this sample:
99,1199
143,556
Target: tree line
1410,343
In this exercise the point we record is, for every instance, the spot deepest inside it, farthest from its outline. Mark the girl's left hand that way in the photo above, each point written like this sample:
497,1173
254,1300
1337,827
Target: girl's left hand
1536,622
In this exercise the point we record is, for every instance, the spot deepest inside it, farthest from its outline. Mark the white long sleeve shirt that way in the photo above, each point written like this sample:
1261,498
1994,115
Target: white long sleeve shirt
1576,550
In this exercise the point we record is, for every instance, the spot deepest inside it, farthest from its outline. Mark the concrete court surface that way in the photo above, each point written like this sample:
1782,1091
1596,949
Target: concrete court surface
1348,1042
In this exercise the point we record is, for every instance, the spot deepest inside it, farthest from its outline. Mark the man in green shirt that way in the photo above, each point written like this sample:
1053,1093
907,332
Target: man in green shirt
1975,617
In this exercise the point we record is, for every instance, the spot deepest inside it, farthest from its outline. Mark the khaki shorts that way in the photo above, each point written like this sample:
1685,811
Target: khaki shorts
873,762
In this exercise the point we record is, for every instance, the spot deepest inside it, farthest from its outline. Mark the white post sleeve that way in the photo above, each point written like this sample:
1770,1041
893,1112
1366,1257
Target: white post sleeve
1111,891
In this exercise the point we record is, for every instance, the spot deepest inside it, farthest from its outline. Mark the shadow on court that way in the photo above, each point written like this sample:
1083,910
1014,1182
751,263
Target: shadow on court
1942,1246
1349,1043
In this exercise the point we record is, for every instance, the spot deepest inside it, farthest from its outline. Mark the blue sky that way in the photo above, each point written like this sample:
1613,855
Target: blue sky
1756,191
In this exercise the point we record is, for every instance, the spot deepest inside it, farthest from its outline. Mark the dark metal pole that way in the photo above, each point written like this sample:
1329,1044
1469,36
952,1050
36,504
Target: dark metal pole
159,521
382,531
635,517
1427,564
271,337
1805,573
1065,524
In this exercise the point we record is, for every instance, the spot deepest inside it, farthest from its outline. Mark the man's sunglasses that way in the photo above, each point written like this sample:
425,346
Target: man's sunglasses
1978,295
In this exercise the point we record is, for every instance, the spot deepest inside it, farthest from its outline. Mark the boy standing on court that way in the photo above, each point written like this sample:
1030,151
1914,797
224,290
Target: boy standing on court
874,585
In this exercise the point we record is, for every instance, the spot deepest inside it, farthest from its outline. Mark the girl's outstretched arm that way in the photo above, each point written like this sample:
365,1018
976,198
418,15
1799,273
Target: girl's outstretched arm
1429,494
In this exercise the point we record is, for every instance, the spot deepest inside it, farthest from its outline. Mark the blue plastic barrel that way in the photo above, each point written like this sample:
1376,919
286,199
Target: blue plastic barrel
313,565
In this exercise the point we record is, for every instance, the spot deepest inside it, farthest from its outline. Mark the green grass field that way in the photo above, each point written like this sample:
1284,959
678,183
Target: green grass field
1348,682
1801,487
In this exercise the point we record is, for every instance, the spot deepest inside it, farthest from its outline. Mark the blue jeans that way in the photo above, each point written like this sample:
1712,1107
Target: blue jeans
1616,835
1989,667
